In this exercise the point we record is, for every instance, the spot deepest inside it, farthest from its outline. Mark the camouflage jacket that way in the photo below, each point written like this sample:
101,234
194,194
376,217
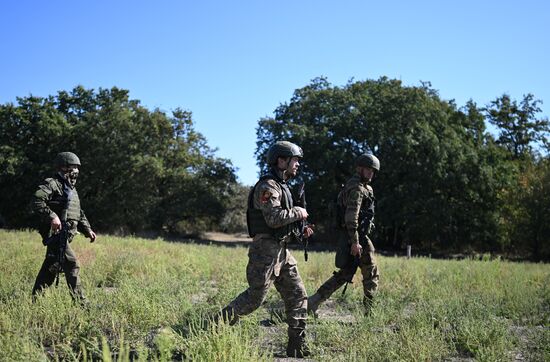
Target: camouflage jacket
272,198
51,198
355,195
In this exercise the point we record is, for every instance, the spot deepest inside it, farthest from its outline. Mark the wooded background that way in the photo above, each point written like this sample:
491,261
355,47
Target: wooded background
446,183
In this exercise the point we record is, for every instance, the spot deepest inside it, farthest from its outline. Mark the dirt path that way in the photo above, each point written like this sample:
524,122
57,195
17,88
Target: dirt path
223,237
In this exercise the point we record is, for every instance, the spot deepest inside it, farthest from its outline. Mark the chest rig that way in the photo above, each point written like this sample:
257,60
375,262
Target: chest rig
255,220
64,201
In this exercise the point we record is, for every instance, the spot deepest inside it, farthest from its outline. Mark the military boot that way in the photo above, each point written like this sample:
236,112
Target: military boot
297,346
368,301
83,303
77,294
313,303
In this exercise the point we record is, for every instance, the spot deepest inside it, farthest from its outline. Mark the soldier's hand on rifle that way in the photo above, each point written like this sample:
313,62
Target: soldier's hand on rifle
356,250
302,213
56,224
308,230
92,236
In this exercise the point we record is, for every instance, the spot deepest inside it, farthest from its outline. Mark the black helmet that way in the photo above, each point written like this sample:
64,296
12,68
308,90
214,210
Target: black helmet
65,159
283,149
368,160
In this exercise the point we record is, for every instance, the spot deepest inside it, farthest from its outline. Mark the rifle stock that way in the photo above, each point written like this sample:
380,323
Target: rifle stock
57,246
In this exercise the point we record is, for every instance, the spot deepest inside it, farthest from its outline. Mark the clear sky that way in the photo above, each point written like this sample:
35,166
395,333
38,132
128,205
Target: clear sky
233,62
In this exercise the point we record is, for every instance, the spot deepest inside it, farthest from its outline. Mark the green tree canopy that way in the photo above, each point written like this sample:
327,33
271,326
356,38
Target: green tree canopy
438,179
519,128
141,169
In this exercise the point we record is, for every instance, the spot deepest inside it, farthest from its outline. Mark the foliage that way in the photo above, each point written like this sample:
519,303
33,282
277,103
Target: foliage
235,217
518,125
446,184
443,180
141,169
526,211
434,175
524,203
148,297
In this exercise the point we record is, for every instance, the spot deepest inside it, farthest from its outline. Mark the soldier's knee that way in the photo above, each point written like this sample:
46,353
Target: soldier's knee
256,298
300,291
300,300
297,313
295,298
371,277
375,272
72,270
344,274
297,295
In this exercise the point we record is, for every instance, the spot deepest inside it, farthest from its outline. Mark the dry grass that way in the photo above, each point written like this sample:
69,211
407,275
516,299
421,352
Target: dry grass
148,298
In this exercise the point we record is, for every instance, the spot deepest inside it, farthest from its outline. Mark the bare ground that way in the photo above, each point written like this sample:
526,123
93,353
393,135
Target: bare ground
223,237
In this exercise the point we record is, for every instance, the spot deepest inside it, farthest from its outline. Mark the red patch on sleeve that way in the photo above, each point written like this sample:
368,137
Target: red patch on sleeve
265,197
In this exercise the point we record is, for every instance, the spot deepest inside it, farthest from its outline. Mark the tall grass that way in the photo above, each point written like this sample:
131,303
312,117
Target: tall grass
149,298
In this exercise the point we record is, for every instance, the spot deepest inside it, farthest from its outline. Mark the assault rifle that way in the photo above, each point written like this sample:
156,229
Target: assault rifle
57,246
300,200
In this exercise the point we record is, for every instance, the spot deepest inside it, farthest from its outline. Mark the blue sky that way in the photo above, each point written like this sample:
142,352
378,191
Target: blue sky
231,63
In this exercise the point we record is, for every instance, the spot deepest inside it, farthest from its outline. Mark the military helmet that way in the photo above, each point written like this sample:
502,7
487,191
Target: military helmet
368,160
65,159
283,149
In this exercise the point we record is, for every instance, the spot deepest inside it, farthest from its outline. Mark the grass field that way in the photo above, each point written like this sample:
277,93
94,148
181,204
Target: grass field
147,298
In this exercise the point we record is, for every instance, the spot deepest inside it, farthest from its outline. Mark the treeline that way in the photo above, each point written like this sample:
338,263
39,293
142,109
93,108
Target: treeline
141,170
446,183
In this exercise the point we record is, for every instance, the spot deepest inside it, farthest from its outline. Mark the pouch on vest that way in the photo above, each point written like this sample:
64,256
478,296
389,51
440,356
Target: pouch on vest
255,221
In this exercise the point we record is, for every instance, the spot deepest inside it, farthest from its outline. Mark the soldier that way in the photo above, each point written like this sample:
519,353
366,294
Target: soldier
356,212
57,205
272,219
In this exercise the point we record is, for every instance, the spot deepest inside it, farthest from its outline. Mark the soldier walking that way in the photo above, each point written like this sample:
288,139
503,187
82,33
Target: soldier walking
57,205
355,218
272,219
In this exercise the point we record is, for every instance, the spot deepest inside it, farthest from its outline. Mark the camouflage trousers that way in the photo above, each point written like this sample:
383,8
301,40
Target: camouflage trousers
48,272
270,264
369,269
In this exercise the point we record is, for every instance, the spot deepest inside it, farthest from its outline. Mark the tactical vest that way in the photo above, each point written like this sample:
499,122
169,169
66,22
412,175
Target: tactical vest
64,198
255,221
366,213
366,210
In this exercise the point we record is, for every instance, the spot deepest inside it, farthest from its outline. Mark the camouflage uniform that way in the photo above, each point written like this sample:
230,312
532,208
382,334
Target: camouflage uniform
269,260
355,195
48,202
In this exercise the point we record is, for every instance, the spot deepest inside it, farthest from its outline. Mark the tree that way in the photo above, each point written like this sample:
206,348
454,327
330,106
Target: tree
234,219
526,210
436,186
518,125
141,170
523,203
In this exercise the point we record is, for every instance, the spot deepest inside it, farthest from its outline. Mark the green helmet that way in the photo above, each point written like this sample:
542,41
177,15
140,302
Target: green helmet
283,149
65,159
368,160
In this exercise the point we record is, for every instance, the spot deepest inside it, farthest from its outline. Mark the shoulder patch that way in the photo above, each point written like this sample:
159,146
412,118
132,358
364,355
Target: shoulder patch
264,198
355,195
